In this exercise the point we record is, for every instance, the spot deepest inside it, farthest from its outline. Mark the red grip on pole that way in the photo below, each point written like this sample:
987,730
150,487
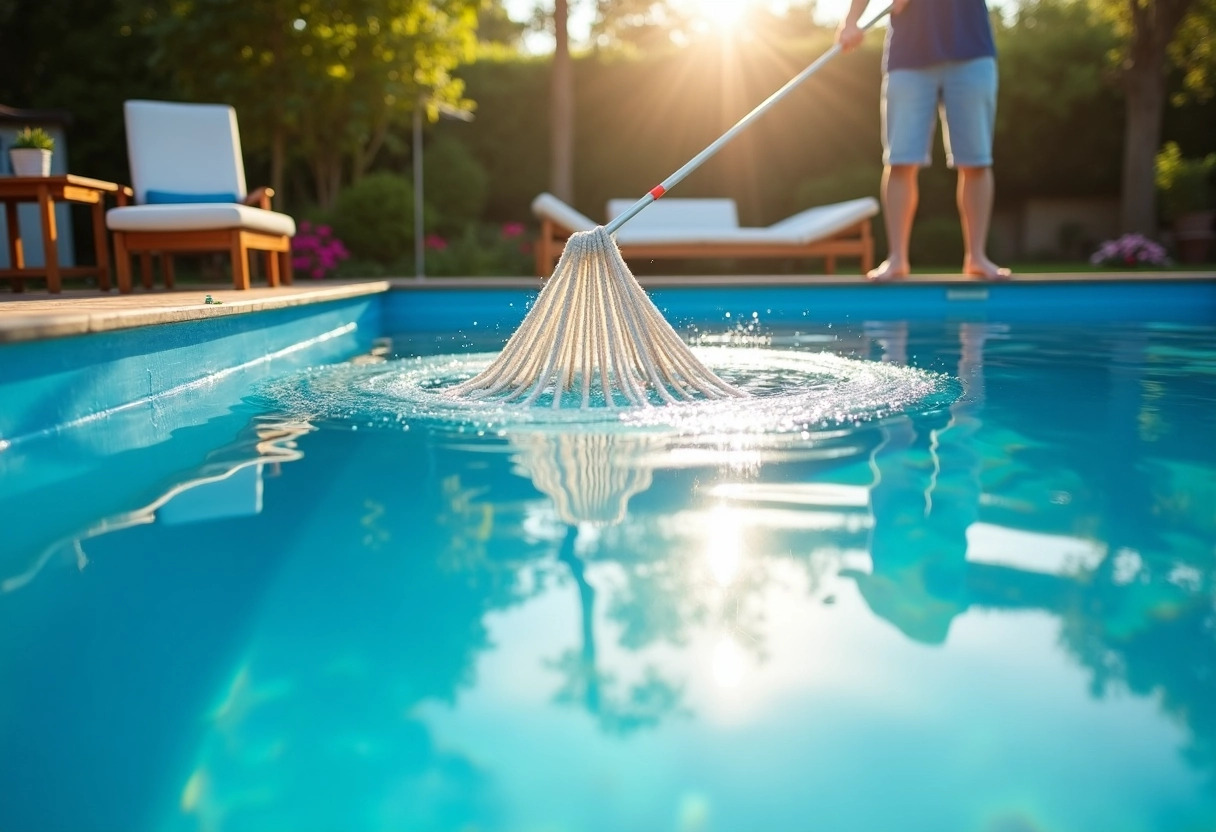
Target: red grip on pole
657,191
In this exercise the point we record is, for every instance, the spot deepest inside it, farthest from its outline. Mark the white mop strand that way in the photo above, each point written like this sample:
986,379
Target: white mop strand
593,323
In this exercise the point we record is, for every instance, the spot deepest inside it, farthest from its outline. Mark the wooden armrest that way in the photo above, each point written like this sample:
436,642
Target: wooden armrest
260,197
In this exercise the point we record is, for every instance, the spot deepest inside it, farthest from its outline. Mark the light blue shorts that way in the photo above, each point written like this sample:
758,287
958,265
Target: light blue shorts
963,93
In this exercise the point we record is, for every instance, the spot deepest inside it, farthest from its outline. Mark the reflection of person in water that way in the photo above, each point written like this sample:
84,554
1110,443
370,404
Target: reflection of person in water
925,495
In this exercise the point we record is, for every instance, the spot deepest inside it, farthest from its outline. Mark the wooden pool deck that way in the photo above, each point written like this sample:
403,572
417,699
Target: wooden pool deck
35,315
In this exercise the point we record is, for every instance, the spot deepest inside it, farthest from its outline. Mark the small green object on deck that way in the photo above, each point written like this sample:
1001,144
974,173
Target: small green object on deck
208,299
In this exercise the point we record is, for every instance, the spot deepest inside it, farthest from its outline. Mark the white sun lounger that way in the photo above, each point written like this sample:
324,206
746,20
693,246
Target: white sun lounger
678,228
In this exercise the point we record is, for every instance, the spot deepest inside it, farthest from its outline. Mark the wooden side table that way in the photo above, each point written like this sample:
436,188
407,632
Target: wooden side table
46,190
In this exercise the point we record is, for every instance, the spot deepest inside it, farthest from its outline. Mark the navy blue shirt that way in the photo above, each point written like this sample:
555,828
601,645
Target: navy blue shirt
931,32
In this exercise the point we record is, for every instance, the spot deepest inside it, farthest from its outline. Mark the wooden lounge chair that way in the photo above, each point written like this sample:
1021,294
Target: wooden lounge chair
677,228
189,182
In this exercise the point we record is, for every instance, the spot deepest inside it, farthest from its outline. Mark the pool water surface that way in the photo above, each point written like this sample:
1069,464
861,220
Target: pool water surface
991,608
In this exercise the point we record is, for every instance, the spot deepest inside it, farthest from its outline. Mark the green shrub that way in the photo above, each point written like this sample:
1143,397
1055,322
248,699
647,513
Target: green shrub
481,250
849,183
348,269
455,185
1185,184
375,218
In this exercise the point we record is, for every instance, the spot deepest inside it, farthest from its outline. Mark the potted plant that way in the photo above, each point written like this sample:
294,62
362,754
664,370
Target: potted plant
31,152
1188,200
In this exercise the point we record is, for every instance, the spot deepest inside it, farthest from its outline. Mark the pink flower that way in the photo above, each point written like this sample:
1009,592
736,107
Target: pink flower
317,253
435,242
1130,250
512,229
305,226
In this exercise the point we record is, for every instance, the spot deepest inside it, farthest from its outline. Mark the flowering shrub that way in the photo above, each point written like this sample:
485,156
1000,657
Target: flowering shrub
481,250
1129,251
315,251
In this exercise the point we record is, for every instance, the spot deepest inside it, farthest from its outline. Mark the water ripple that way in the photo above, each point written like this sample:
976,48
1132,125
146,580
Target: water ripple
790,391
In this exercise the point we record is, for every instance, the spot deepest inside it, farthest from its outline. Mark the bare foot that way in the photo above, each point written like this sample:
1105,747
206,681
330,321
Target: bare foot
888,270
985,269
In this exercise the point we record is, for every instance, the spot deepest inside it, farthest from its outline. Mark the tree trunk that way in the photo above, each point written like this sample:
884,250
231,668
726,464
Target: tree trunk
1142,138
364,155
1154,23
327,171
335,181
278,79
1144,82
561,123
278,164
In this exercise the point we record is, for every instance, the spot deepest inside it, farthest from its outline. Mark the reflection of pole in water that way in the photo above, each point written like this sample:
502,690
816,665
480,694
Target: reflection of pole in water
619,707
586,596
589,476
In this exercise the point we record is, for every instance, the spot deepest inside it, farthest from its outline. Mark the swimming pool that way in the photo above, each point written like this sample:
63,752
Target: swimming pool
994,612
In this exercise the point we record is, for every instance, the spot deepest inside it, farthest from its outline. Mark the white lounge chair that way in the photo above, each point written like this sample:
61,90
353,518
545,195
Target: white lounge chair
189,182
692,227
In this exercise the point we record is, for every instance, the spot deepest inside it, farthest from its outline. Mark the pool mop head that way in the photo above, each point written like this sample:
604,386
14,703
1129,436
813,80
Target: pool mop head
595,339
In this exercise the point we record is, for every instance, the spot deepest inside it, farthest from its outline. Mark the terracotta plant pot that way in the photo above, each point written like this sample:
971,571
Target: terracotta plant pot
30,161
1193,235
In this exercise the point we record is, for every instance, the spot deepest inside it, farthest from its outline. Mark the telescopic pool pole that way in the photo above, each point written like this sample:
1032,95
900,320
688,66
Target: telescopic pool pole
742,124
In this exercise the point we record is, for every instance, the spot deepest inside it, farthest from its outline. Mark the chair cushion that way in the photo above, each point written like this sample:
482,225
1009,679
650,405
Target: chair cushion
199,217
184,148
824,220
679,214
152,197
803,228
705,222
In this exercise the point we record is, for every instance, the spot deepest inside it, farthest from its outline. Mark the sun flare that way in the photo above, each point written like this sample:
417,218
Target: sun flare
723,15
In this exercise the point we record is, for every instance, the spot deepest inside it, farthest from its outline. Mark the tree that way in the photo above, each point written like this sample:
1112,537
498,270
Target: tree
1060,96
644,24
1148,28
322,81
647,26
1194,51
108,65
495,26
561,108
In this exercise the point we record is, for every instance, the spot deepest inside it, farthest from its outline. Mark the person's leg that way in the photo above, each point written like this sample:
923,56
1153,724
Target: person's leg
909,114
969,103
975,193
900,195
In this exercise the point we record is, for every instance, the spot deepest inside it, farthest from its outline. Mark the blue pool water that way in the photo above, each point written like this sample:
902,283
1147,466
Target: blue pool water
990,607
